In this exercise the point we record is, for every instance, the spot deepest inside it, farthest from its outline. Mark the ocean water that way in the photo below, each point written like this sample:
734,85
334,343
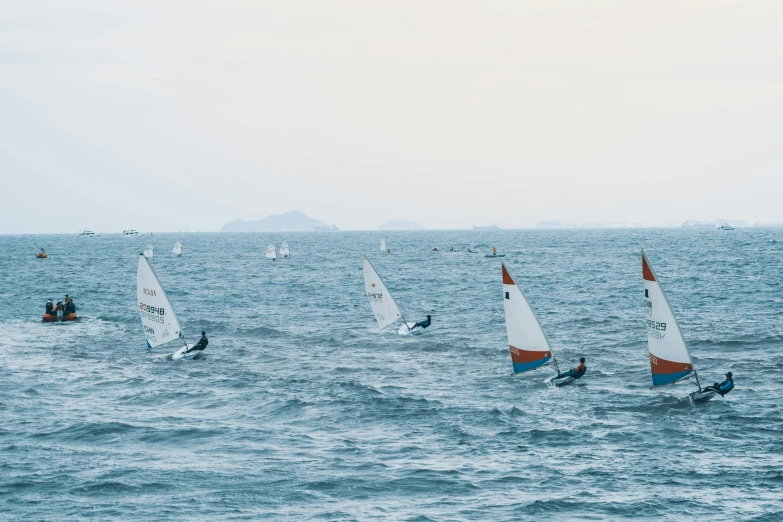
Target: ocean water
301,409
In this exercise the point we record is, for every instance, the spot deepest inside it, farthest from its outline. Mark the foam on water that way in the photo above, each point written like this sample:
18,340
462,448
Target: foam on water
301,408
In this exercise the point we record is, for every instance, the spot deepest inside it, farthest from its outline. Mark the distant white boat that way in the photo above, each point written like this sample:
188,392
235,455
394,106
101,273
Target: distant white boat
130,233
383,245
725,226
325,228
177,248
87,233
270,252
148,251
284,252
491,226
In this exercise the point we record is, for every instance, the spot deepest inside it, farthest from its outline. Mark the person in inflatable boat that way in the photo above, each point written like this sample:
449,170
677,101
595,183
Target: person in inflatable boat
575,372
49,307
722,388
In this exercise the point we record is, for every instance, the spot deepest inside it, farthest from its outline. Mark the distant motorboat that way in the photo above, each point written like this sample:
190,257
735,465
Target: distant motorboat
87,233
42,254
491,226
725,226
130,233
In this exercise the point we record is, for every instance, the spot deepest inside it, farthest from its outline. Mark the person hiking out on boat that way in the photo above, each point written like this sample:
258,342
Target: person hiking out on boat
49,307
575,372
723,388
423,324
200,345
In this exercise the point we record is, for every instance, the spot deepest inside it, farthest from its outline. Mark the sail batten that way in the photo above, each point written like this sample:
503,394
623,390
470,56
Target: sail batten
383,305
527,341
160,323
670,360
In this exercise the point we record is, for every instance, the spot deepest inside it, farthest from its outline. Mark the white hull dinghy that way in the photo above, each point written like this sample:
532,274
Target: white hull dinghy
383,305
527,341
158,319
670,360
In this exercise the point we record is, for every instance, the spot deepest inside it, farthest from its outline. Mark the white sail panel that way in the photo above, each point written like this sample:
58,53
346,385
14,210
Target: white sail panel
284,249
270,252
177,248
382,303
383,245
526,339
157,316
669,357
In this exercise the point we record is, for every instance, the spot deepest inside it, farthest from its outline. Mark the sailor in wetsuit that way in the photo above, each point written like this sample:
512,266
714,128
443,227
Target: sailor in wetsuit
722,388
575,372
423,324
200,345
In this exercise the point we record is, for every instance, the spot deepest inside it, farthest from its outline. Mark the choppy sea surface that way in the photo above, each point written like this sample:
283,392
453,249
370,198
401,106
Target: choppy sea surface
302,409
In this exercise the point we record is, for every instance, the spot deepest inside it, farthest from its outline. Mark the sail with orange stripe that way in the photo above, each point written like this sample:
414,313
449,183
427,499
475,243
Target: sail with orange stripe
670,360
526,339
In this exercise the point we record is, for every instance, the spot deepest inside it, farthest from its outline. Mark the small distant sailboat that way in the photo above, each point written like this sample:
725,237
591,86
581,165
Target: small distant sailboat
284,252
670,361
527,341
270,252
383,245
148,251
160,323
177,248
383,305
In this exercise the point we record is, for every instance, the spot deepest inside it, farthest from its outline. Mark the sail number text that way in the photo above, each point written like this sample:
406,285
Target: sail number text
149,292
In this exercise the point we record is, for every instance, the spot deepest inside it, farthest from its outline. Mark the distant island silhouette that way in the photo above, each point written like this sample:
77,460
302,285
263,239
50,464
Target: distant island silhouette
401,224
293,221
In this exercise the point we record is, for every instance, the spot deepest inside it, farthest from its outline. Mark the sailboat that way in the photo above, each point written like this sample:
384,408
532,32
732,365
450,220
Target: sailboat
148,251
177,248
284,252
527,341
670,361
270,252
160,323
383,245
383,305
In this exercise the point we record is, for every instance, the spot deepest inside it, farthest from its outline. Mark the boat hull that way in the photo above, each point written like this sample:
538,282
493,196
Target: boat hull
54,319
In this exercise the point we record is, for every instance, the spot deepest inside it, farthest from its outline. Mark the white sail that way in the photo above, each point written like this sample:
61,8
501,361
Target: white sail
669,357
526,339
270,252
148,252
382,303
177,248
157,316
383,245
284,249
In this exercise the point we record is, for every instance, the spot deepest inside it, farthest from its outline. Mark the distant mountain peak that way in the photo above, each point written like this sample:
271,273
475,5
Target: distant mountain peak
292,221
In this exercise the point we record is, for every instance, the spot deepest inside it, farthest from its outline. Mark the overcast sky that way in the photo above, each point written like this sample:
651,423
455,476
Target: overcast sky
163,115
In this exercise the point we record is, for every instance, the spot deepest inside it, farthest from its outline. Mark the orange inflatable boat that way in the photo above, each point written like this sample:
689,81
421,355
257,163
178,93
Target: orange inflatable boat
54,319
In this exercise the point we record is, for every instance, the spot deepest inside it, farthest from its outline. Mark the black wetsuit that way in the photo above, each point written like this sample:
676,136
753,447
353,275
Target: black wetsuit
49,309
199,346
423,324
70,308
